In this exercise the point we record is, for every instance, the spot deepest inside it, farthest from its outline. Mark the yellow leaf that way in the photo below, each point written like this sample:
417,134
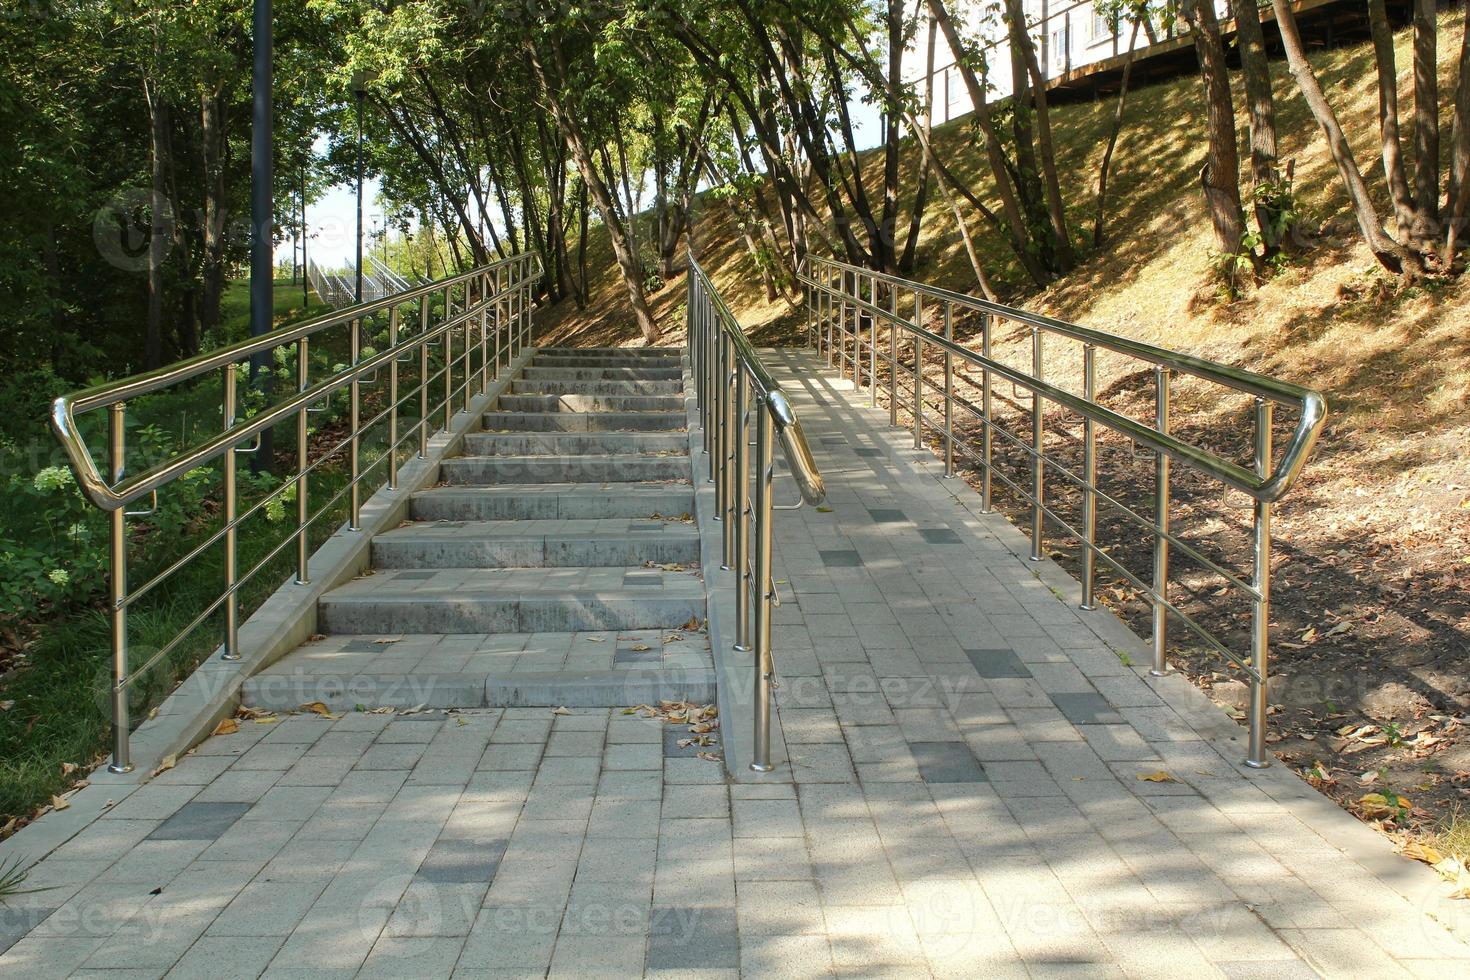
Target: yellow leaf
561,711
57,803
1419,851
1156,777
316,708
228,726
67,768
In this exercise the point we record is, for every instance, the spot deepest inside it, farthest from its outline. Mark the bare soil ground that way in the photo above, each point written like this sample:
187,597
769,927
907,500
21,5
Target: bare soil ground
1371,572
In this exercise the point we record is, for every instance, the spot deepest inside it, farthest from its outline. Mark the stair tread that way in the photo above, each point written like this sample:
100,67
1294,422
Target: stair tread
651,489
438,584
611,528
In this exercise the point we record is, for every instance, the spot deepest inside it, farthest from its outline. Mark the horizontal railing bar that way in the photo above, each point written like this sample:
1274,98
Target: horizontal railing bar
1310,403
113,498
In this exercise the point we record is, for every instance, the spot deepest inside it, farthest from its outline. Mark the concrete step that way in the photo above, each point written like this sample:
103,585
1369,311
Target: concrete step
569,501
564,360
609,468
512,600
536,544
603,353
591,403
573,443
586,669
587,422
554,386
533,373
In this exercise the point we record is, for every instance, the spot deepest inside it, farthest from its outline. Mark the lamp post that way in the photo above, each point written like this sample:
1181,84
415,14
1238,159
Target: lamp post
360,81
262,217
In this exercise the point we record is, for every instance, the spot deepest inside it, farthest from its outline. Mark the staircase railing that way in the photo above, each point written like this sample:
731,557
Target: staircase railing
458,334
845,307
735,391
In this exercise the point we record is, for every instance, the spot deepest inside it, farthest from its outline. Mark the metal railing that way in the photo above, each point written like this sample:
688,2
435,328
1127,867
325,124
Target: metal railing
847,304
485,313
735,392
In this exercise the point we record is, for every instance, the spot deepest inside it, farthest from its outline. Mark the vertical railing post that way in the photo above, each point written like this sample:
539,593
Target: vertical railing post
303,449
764,663
1257,757
1161,521
423,376
948,393
893,355
743,582
728,437
918,371
839,351
1038,466
1089,483
231,502
448,335
484,310
393,401
872,343
354,444
987,439
117,588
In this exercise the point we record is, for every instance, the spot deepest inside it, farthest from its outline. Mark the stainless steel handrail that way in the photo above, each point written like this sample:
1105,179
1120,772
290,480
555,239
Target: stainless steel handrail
734,390
488,309
838,315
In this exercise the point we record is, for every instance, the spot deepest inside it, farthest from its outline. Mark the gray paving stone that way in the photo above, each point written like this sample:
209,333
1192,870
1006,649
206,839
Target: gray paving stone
200,821
947,762
997,663
692,939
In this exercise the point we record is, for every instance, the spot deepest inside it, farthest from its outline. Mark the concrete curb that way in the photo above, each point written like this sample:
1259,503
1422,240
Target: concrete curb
733,670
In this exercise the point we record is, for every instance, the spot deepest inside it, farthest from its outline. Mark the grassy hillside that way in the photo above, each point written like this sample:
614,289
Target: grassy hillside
1372,541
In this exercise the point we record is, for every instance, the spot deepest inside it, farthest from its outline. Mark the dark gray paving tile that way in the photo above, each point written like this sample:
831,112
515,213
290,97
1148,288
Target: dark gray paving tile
869,452
15,923
362,646
887,515
1086,709
998,663
419,576
693,939
841,559
947,762
939,535
672,750
834,440
200,821
462,861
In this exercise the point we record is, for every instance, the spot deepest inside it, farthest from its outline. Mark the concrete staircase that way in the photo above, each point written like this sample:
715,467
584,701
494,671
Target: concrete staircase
556,563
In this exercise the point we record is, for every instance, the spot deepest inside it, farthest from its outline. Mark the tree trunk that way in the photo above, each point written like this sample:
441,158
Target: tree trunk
921,193
1020,235
1457,203
1405,216
1256,70
1107,160
1390,254
1046,147
628,260
158,232
212,137
1426,111
1220,175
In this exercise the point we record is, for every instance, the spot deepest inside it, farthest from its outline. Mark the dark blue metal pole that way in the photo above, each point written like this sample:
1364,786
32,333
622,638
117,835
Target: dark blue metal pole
262,259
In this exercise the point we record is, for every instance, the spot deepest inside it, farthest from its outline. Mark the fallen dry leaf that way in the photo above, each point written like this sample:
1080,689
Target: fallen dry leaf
1420,851
1156,777
561,711
59,803
319,708
228,726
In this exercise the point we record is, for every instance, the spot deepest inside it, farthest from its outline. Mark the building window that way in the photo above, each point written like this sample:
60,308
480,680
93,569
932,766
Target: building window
1059,46
1101,29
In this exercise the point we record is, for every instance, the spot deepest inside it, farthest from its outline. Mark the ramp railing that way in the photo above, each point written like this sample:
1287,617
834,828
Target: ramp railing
405,364
735,393
1042,410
